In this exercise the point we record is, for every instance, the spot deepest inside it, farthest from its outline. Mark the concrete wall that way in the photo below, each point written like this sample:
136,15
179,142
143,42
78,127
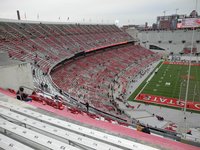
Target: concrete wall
133,32
15,75
176,36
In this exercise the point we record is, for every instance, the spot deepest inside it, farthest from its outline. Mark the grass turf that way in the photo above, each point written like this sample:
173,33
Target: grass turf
170,80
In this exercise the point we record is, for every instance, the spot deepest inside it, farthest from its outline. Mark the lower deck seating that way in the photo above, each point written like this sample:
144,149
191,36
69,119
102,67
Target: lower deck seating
51,101
89,78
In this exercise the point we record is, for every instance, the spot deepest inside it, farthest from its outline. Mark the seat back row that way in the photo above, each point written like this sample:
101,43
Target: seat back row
8,143
53,131
101,136
42,140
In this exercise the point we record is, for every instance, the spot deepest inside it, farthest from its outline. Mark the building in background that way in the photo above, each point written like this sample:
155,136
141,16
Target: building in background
178,21
171,22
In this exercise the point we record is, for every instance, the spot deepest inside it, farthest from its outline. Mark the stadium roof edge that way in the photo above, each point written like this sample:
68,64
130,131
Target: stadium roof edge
47,22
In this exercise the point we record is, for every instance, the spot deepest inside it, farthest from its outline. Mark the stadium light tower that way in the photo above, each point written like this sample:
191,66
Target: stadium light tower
194,94
177,10
164,12
188,77
116,22
18,15
180,92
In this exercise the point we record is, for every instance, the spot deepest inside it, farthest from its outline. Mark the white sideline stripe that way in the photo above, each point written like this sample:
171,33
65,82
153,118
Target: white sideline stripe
147,82
35,137
84,130
10,144
58,132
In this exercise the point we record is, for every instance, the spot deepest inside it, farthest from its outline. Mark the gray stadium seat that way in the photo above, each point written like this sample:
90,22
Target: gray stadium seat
33,136
10,144
55,131
77,128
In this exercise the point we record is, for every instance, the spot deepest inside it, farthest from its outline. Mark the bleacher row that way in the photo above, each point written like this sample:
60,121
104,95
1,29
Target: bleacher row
90,78
22,128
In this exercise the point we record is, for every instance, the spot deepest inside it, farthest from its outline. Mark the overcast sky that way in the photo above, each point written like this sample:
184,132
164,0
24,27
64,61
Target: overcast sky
95,11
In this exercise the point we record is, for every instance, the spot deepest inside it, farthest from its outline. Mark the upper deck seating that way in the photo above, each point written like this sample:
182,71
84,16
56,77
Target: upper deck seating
48,43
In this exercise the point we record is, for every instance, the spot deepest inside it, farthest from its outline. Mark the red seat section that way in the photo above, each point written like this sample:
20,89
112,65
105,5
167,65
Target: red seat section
90,78
57,104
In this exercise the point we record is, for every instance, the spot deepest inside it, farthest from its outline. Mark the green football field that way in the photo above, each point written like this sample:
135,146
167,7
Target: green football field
171,81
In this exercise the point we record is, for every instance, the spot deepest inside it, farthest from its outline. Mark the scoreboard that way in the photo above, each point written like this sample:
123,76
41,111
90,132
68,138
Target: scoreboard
188,23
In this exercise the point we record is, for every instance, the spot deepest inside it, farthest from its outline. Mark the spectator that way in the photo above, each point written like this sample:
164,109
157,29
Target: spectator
46,86
20,93
87,106
56,97
60,91
139,126
22,96
35,62
189,132
33,72
159,118
34,93
146,130
42,86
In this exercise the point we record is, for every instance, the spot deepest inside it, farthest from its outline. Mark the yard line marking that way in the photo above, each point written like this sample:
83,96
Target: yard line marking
148,80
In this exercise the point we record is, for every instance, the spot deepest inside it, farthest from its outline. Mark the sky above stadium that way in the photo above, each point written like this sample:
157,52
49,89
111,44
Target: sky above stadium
95,11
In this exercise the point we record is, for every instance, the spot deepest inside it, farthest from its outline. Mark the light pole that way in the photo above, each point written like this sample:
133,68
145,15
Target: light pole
179,99
176,10
164,12
188,77
194,94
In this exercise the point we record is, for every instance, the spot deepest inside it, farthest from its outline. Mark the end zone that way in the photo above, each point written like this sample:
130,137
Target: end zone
166,101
